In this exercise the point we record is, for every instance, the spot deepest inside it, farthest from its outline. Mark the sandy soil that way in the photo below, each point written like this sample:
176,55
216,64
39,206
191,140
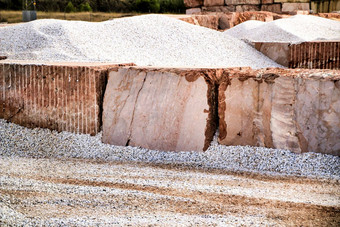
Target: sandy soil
83,192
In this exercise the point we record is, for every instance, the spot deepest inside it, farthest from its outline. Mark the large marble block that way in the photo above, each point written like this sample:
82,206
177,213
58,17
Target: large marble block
159,108
295,109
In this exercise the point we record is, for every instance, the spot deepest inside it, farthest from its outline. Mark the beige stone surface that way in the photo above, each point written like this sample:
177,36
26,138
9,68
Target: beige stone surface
244,8
275,8
217,9
292,7
267,1
192,11
297,110
278,52
213,2
163,109
292,1
238,2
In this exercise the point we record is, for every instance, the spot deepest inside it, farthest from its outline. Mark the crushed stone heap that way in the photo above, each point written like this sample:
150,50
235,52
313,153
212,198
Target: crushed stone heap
294,29
148,40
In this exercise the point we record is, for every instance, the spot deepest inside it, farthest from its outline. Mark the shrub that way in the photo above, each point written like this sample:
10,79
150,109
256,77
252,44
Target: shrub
85,7
70,8
147,6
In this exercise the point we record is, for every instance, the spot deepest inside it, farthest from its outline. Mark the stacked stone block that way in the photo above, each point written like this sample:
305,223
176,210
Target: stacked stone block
276,6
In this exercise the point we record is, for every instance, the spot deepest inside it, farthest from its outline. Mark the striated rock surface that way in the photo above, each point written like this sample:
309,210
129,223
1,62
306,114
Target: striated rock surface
163,109
290,109
61,96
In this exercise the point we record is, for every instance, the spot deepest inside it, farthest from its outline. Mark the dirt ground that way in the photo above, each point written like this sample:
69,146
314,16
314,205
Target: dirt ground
82,192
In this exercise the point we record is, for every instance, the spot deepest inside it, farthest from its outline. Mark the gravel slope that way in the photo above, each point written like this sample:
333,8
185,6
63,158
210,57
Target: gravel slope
19,141
149,40
294,29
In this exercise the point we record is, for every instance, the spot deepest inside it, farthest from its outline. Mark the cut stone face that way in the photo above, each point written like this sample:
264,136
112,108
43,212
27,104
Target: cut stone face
291,7
163,109
239,2
63,97
278,108
213,2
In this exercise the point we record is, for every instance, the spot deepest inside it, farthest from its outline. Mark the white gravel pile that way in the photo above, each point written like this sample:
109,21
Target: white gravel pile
43,143
294,29
149,40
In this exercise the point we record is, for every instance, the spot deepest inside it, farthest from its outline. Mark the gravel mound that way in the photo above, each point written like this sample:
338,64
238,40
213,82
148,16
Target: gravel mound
42,143
294,29
149,40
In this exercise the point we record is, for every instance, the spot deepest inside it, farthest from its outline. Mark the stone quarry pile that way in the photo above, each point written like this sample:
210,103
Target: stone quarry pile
294,29
17,141
149,40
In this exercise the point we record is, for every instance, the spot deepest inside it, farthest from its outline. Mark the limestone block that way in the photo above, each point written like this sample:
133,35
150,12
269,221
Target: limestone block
267,1
193,3
213,2
208,21
275,8
292,7
239,2
224,9
163,109
278,52
62,97
281,108
193,11
292,1
244,8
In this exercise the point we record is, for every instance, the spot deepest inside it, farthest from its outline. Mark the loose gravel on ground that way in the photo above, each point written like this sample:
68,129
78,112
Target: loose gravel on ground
149,40
42,143
63,179
294,29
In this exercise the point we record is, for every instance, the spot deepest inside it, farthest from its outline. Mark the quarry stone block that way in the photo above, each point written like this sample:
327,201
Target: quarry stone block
60,96
310,55
275,8
239,2
281,108
163,109
193,11
292,7
213,2
244,8
219,9
267,1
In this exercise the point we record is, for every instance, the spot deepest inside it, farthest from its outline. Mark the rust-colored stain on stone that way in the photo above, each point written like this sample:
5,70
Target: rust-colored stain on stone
315,55
295,109
59,97
159,108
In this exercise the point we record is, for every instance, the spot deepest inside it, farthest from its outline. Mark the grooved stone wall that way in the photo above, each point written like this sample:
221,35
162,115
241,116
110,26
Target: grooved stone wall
63,97
295,109
310,55
163,109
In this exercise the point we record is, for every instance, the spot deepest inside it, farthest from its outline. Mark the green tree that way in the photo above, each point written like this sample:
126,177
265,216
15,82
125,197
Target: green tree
85,7
70,8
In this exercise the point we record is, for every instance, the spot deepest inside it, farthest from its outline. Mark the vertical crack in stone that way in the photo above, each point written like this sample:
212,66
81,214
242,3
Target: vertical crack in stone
222,87
134,110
